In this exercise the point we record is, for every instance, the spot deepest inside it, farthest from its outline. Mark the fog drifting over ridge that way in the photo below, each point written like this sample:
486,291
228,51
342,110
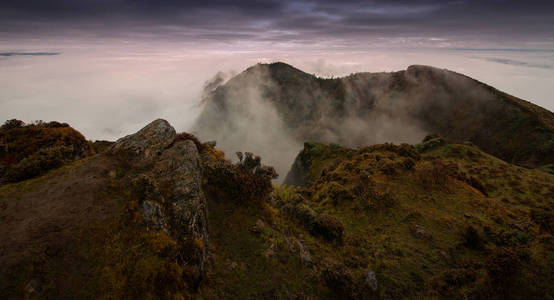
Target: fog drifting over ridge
108,92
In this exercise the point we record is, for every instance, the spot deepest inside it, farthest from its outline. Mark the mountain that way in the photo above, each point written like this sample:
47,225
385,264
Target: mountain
281,106
160,214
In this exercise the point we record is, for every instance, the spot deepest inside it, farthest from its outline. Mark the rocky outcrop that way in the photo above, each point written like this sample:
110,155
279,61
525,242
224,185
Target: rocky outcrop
148,142
175,202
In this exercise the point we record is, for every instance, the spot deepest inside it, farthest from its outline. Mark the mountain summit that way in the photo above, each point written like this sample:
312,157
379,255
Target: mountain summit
279,105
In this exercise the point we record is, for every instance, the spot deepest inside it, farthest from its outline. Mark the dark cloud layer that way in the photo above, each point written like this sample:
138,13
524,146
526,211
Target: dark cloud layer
286,20
28,53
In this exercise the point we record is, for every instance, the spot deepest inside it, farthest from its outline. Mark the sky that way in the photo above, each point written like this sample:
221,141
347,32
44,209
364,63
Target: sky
108,67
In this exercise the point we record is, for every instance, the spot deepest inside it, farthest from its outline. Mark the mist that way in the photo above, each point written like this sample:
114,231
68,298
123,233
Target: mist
107,92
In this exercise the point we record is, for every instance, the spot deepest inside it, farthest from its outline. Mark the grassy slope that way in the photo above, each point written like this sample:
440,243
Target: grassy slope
425,231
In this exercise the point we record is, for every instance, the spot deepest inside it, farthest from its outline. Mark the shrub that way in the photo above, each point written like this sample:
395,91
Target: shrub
306,215
435,175
245,181
315,149
328,227
13,123
335,192
337,277
430,144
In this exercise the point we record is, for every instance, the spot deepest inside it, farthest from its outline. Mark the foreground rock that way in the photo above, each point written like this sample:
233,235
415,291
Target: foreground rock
180,211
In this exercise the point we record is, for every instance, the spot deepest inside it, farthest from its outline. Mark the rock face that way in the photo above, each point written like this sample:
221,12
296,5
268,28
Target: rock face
175,202
371,280
300,168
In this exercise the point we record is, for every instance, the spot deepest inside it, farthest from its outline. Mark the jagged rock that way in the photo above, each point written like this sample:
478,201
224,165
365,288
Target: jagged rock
148,142
153,216
175,166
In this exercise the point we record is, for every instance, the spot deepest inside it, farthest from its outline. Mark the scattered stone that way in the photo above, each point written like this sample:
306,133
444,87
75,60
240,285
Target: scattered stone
371,280
31,289
522,225
232,266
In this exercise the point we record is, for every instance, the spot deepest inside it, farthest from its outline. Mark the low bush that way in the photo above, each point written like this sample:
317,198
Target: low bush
328,227
337,277
11,124
245,181
430,144
334,192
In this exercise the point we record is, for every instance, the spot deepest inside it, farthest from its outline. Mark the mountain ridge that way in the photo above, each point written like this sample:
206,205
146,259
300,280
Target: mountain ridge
418,101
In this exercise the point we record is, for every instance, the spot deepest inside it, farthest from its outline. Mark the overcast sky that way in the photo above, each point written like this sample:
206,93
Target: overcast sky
109,66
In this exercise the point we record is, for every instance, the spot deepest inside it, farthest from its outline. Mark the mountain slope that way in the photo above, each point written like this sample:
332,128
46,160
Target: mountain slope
162,215
366,108
451,222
